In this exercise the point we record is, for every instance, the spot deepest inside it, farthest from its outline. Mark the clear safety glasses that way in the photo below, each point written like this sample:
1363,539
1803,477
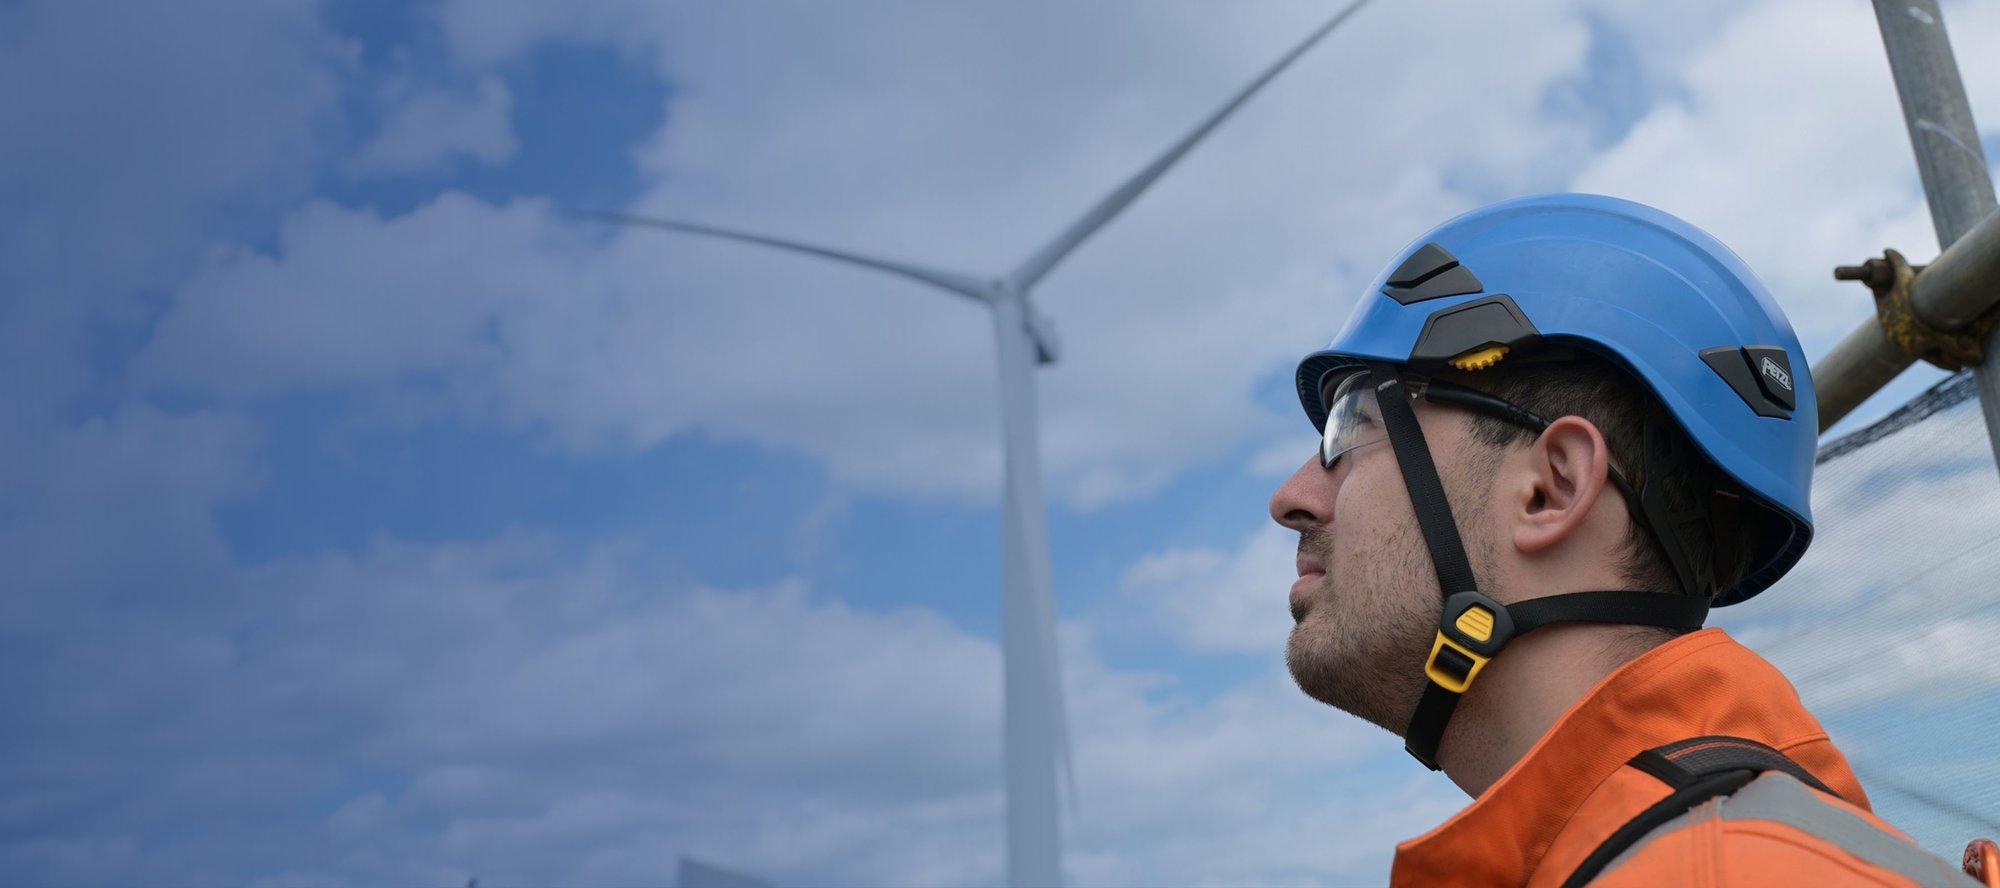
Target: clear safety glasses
1353,419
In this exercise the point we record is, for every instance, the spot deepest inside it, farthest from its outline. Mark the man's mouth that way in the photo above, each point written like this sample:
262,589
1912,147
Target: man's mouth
1308,564
1303,587
1310,575
1311,572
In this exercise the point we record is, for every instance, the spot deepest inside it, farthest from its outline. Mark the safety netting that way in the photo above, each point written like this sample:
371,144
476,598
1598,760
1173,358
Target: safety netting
1890,626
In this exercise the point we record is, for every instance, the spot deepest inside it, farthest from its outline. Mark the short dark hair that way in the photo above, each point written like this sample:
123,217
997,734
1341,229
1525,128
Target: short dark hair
1612,399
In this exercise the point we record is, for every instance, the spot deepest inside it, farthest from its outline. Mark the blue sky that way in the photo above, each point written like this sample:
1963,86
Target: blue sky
370,522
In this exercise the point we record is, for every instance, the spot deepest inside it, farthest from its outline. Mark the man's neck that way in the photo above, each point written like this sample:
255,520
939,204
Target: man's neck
1521,695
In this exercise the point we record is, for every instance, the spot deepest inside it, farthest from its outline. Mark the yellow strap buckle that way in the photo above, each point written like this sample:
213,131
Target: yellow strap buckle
1452,665
1468,642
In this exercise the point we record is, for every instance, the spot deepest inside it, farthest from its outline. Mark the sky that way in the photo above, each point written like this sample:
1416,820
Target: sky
368,520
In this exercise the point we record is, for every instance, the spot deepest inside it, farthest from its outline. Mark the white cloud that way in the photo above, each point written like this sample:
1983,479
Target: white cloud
128,128
139,483
1212,600
536,715
351,298
1242,260
428,127
1282,458
1244,788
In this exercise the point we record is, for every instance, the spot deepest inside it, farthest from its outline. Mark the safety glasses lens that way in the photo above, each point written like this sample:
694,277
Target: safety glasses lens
1352,418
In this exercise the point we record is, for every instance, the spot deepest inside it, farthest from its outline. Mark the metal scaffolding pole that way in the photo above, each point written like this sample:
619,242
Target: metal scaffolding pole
1956,289
1950,160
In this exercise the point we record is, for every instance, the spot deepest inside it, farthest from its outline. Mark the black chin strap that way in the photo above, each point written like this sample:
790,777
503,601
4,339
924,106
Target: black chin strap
1420,475
1472,628
1460,651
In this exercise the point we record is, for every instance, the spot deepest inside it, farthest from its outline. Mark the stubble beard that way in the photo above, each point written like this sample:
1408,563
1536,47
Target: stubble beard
1366,631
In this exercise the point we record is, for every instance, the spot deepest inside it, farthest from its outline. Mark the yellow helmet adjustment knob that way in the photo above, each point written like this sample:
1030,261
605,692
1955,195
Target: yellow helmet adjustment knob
1479,359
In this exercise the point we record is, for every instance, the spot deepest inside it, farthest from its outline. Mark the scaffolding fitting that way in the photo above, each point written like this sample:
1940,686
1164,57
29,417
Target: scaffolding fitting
1900,307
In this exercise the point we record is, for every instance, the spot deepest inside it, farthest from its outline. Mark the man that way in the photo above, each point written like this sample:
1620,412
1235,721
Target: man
1553,434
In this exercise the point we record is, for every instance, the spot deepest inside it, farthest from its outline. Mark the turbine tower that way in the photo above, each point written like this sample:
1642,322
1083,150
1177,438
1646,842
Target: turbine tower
1035,730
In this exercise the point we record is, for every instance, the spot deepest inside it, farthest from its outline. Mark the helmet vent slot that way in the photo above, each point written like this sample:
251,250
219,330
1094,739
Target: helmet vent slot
1431,272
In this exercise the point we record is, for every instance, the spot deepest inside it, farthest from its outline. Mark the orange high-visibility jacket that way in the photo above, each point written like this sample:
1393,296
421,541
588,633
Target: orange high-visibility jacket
1573,790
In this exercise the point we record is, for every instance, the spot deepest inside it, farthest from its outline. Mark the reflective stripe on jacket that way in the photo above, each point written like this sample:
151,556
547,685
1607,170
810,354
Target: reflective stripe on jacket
1573,790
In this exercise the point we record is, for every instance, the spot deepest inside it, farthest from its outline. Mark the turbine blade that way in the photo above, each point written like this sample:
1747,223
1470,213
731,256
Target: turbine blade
1112,204
962,284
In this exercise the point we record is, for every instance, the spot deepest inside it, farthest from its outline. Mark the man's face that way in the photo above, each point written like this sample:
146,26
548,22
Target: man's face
1366,603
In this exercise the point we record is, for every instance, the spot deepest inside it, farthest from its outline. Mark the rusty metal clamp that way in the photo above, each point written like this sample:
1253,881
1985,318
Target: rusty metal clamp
1892,278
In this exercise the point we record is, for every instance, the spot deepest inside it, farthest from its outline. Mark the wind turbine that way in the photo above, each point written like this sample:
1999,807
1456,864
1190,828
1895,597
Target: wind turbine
1035,729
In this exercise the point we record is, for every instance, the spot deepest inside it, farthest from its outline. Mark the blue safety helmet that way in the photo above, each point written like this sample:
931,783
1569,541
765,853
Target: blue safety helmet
1651,292
1642,289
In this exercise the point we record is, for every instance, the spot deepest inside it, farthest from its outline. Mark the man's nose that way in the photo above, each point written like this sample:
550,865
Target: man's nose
1305,500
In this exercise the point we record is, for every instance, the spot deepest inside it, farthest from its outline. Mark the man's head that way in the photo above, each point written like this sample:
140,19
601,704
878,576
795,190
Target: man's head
1537,510
1592,416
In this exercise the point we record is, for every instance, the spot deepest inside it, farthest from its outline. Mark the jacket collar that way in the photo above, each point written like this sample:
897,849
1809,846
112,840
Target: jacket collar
1700,684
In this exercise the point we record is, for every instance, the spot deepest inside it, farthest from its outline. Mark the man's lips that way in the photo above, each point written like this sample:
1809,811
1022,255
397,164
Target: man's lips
1310,573
1309,565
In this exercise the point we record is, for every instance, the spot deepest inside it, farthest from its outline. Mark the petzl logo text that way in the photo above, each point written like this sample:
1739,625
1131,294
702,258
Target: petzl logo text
1777,374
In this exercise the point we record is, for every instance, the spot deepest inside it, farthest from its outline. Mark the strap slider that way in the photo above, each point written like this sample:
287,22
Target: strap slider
1471,630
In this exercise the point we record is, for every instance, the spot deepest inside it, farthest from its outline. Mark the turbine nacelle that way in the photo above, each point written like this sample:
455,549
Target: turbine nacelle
1040,328
1043,332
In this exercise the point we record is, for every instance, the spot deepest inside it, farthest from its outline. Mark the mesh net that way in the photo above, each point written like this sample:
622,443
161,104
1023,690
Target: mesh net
1887,626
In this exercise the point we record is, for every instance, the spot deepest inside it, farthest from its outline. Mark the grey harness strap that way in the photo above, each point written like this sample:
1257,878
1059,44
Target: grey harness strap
1777,798
1755,782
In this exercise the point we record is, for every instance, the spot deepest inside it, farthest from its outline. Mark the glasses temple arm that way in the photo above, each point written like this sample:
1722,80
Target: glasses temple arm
1444,392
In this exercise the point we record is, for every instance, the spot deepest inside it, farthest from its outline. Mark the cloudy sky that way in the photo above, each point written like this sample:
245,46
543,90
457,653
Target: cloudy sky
368,521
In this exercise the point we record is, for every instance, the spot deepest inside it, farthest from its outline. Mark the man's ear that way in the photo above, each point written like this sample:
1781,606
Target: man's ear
1563,476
